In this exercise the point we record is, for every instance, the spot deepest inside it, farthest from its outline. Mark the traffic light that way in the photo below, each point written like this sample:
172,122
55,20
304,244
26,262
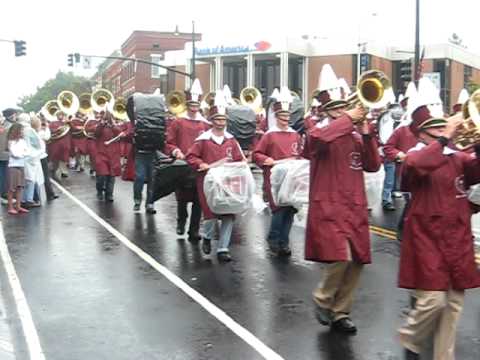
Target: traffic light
77,58
20,48
406,70
70,59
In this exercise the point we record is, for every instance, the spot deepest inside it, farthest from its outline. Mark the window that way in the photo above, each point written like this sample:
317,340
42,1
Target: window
156,70
467,75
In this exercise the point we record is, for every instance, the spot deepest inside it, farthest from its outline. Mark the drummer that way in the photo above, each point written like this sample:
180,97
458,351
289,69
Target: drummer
214,145
279,142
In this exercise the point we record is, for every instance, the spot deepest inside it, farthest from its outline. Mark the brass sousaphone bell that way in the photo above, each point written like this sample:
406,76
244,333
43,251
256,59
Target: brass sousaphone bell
208,101
85,103
102,100
176,102
371,90
251,97
468,133
68,102
49,110
119,109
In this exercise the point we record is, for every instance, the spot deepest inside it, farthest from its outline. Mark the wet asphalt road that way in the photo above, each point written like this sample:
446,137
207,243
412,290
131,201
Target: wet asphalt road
92,298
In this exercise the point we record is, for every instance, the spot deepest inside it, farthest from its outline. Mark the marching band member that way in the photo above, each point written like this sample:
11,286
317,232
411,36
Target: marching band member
279,142
79,147
90,128
214,145
437,252
181,134
314,116
463,97
108,155
59,145
337,225
387,122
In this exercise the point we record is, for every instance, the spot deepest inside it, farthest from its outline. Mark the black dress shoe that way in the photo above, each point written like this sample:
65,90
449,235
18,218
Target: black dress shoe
64,175
180,228
410,355
344,325
206,246
224,256
109,198
323,315
388,207
150,211
274,249
285,251
194,238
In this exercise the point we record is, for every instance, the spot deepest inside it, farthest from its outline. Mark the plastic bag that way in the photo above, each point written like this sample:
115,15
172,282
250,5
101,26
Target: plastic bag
474,194
229,188
290,183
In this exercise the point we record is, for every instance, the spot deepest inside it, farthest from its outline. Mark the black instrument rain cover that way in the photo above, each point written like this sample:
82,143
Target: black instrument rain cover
170,174
242,123
150,115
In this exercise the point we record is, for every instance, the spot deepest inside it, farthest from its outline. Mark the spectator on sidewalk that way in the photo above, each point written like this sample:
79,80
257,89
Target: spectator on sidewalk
8,117
18,151
44,135
33,166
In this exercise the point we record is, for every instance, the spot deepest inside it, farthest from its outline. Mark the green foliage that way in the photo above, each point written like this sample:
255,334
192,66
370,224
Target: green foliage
472,87
50,90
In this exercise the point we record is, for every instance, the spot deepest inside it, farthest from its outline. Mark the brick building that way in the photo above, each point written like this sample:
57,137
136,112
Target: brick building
295,62
125,77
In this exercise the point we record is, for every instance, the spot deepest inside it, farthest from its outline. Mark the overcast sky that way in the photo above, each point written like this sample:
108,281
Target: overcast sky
53,28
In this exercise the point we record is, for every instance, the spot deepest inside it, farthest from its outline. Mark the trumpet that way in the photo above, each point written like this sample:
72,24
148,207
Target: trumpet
468,133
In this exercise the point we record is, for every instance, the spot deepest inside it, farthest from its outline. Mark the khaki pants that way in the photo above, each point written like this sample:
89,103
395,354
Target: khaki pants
437,313
335,292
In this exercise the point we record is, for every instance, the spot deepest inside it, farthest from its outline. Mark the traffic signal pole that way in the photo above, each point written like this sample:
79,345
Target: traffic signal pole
20,46
77,59
416,65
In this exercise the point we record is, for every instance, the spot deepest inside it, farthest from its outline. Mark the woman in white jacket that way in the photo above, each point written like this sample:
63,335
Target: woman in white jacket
43,132
33,166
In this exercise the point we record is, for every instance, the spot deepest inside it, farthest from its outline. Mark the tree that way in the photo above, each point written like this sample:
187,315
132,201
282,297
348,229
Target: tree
51,88
472,87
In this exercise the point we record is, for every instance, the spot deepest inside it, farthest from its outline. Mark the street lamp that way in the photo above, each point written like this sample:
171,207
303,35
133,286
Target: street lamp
177,33
361,47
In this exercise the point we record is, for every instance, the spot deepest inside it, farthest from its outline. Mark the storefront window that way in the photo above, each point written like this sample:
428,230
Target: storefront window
235,76
295,75
267,76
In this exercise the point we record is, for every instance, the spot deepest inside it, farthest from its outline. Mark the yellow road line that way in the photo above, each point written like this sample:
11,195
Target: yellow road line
389,234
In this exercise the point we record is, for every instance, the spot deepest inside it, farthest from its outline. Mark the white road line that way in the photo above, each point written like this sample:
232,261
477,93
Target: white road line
215,311
29,330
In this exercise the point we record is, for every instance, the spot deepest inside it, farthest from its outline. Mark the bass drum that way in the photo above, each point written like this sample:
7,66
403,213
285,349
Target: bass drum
170,175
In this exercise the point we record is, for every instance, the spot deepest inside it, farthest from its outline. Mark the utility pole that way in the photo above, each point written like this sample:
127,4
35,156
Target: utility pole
417,44
193,51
